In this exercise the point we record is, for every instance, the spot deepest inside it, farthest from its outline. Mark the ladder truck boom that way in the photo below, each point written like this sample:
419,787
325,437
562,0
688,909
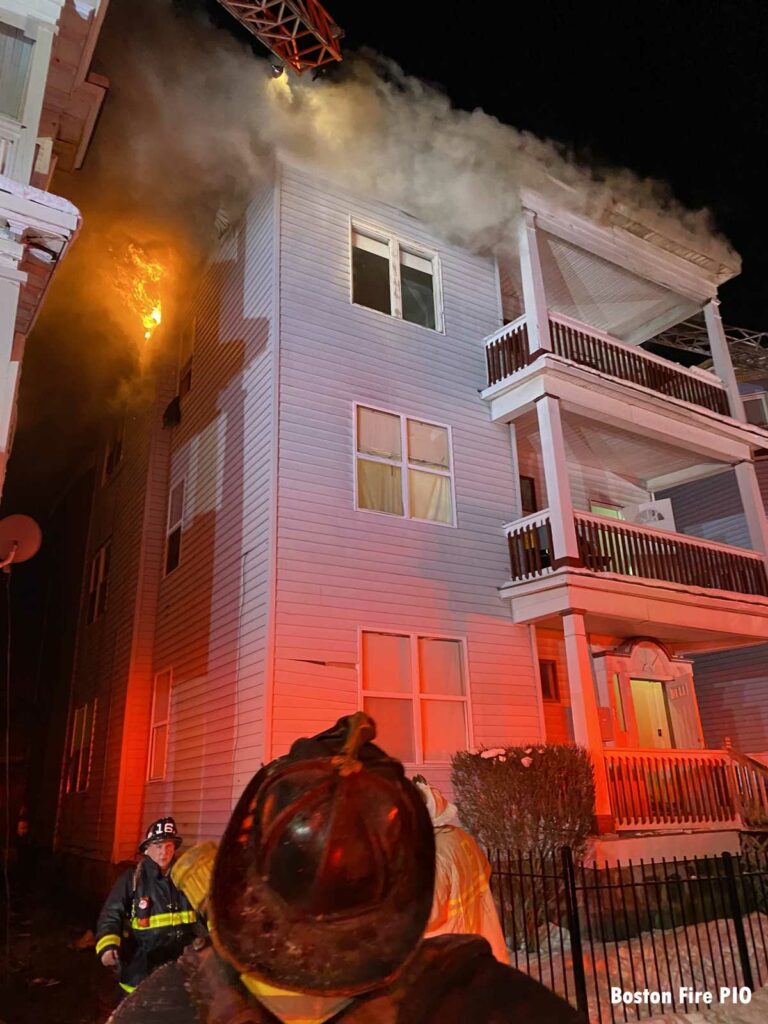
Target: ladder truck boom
300,33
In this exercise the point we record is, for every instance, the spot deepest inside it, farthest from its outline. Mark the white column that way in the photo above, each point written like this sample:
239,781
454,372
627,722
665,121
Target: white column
556,479
584,710
753,504
721,358
534,296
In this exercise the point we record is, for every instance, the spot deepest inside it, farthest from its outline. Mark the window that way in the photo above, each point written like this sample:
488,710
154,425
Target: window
756,410
173,533
99,582
404,466
395,278
528,503
415,689
550,690
185,378
600,508
15,60
158,733
80,747
114,453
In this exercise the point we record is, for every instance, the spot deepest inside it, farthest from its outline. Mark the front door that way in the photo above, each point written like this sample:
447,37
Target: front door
653,729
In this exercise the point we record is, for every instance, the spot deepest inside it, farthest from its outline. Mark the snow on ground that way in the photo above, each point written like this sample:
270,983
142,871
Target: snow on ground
700,957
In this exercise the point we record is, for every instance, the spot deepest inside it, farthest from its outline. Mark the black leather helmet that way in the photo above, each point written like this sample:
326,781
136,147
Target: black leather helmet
323,880
161,831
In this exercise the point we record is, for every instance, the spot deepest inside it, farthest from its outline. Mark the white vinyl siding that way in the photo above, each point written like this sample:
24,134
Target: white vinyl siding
396,277
403,466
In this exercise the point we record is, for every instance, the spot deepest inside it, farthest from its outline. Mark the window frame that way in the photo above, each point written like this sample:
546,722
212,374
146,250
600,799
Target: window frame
178,524
557,699
154,725
101,561
83,773
762,397
416,697
396,242
404,464
116,442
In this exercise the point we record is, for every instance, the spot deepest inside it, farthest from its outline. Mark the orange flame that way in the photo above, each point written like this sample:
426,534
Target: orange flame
138,279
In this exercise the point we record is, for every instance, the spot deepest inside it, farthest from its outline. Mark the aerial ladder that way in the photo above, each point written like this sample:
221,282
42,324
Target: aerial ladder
300,33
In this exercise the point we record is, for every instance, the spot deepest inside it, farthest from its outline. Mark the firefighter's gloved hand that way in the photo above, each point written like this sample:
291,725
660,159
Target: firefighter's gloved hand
110,959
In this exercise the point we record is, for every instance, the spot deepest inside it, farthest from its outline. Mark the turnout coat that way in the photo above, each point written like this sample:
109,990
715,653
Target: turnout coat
147,920
452,979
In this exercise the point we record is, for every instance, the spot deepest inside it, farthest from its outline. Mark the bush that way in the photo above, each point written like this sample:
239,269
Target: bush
533,799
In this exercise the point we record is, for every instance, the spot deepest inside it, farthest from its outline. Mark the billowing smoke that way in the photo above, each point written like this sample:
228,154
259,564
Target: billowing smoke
189,129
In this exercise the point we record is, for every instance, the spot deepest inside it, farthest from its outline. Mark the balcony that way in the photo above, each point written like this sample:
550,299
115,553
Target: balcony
508,352
631,580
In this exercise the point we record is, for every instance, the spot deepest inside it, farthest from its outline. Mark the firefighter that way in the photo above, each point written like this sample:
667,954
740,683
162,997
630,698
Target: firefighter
463,903
146,921
320,893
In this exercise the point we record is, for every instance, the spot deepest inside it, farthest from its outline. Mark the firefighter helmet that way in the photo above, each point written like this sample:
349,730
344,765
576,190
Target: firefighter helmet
161,831
323,880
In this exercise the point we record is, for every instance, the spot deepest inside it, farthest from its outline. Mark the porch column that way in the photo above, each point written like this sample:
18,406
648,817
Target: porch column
753,505
534,296
721,358
586,719
566,549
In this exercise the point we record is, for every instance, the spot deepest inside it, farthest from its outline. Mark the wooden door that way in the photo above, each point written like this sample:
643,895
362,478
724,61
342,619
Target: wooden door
653,728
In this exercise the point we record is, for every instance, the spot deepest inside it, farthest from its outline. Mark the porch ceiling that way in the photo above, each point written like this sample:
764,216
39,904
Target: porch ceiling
647,462
588,288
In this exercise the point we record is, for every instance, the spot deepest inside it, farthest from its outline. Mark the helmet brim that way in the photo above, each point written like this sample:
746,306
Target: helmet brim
177,840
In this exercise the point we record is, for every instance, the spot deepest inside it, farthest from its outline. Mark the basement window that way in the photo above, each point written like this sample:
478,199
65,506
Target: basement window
173,532
98,583
396,278
158,735
80,747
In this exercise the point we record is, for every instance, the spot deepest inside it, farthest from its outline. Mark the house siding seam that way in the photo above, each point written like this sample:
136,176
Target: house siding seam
341,569
212,612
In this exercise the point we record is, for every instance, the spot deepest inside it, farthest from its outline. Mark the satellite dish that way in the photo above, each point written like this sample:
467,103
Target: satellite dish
20,539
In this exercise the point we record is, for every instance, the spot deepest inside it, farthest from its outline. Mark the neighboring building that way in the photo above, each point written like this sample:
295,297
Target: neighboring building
48,108
732,685
356,489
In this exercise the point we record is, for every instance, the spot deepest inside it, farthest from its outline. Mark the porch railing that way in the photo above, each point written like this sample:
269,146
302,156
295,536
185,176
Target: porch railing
530,546
608,545
507,351
750,780
658,788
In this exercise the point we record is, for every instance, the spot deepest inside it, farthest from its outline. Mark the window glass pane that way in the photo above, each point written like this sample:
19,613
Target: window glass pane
444,728
548,673
379,487
370,275
394,725
528,495
15,57
610,511
77,729
173,551
755,410
418,293
378,433
430,496
428,444
176,504
386,662
159,747
441,668
162,696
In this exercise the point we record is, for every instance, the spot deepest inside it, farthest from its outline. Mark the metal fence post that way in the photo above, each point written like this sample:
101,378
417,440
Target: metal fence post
738,923
572,910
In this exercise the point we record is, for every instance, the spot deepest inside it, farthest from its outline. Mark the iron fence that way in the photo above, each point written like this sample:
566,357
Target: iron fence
636,941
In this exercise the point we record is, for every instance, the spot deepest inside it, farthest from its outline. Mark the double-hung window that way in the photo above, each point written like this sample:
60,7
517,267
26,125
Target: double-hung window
403,466
158,733
415,689
396,278
80,747
98,584
174,527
